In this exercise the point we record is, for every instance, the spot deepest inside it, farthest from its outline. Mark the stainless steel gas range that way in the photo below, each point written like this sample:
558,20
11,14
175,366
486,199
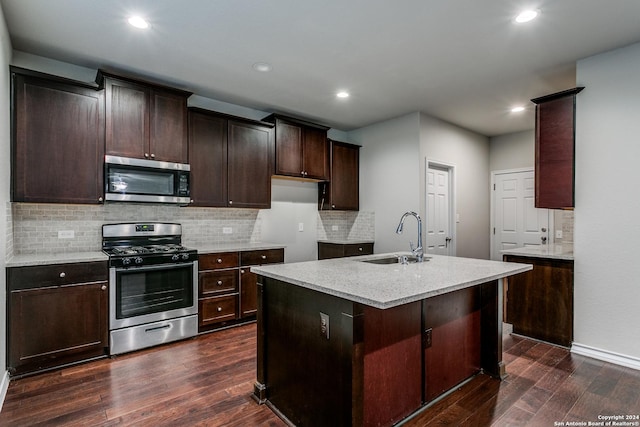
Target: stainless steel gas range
153,285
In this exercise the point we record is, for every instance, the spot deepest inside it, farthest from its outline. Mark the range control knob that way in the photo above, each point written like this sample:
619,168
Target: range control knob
175,257
126,261
138,260
185,256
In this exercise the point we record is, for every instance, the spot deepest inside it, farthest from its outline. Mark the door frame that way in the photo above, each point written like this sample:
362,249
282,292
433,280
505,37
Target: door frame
492,219
451,168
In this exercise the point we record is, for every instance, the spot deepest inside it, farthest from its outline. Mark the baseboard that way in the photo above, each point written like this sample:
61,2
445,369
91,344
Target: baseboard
4,386
606,356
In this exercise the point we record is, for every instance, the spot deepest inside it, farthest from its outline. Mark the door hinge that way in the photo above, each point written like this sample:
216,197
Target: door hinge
494,187
494,230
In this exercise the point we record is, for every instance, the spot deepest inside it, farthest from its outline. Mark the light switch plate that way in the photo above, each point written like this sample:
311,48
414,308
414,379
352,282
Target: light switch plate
66,234
334,228
558,234
227,230
301,226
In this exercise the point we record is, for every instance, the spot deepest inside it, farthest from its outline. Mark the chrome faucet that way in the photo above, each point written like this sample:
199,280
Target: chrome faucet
417,252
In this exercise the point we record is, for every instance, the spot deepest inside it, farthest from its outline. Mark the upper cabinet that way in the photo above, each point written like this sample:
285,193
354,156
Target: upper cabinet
57,139
145,121
302,149
342,191
555,148
231,160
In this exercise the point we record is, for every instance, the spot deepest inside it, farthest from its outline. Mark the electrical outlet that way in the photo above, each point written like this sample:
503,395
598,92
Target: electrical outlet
227,230
301,226
324,325
334,228
558,234
427,338
66,234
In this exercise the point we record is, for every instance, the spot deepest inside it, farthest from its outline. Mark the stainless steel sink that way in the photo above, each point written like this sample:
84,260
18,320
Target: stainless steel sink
394,259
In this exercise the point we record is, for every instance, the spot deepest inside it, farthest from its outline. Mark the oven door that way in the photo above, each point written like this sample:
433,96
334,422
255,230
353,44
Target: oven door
139,295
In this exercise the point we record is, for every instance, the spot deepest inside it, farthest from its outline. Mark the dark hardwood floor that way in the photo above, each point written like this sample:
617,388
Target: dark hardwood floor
208,381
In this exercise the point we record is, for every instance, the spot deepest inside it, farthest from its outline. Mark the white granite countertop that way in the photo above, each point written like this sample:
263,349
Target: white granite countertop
346,241
551,251
390,285
233,247
58,258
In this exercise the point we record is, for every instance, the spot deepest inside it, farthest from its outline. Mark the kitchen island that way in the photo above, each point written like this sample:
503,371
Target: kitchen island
357,342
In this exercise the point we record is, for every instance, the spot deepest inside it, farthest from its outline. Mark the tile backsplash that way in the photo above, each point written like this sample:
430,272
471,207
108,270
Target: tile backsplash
35,226
563,220
346,225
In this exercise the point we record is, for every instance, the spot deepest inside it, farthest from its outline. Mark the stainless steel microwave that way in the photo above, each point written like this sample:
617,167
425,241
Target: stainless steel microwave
138,180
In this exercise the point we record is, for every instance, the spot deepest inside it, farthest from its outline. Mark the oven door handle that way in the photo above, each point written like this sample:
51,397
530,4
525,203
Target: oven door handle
154,267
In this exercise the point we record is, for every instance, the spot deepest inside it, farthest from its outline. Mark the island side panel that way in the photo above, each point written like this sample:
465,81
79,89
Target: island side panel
392,363
491,297
452,343
306,377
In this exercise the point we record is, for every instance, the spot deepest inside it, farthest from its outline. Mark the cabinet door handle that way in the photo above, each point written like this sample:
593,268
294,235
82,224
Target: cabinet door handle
103,287
100,199
153,156
230,202
63,275
219,309
146,155
242,271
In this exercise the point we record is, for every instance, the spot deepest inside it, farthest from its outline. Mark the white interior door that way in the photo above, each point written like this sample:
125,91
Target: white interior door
438,237
517,222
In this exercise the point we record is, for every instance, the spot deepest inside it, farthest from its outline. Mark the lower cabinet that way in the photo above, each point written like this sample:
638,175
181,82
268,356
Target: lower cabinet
540,302
57,315
227,289
328,250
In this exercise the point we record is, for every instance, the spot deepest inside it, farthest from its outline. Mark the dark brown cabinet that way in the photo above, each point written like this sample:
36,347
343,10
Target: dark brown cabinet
327,250
227,287
57,140
302,148
539,303
342,190
249,280
231,161
57,315
555,149
145,121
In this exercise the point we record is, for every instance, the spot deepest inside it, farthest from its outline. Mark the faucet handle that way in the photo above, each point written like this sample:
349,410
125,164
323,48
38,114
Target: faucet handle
413,249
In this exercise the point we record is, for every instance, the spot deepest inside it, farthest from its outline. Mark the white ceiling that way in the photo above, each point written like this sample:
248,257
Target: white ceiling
464,61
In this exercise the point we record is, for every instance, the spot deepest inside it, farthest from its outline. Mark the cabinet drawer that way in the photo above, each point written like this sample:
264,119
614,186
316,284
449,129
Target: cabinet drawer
217,309
268,256
41,276
218,282
358,249
218,261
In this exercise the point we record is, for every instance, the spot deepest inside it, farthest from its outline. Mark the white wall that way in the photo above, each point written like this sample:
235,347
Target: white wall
512,151
389,177
607,211
5,58
468,152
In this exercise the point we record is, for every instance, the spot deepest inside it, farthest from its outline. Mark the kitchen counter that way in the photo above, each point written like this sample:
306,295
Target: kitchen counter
57,258
386,286
346,342
233,247
550,251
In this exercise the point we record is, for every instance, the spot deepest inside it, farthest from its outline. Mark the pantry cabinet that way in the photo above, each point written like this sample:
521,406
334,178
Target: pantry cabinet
57,315
57,139
555,149
302,148
341,192
231,160
144,120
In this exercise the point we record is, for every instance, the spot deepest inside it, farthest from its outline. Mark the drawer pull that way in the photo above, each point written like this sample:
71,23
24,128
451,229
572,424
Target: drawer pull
219,309
219,260
263,257
219,282
360,249
63,275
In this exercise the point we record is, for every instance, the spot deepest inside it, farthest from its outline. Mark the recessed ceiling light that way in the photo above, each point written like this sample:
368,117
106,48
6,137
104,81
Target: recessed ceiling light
342,94
518,109
138,22
526,16
263,67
